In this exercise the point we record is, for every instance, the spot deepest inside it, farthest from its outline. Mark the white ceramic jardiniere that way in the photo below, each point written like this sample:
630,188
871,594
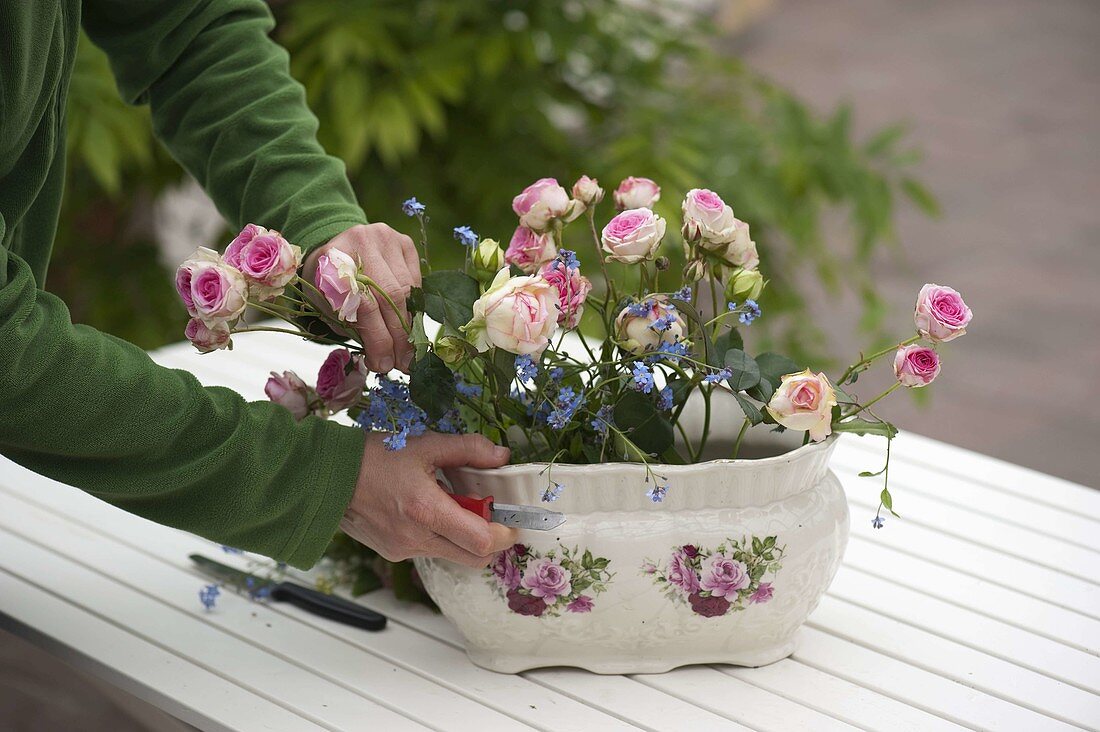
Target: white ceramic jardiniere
724,570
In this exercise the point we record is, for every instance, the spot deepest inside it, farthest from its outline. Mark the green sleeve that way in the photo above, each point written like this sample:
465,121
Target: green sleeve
224,103
95,412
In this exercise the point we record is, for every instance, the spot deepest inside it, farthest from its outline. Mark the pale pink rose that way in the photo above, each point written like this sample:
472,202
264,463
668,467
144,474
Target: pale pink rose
804,402
218,292
186,272
633,236
681,574
642,327
547,579
265,258
762,593
636,193
708,218
289,391
572,287
941,315
724,577
540,203
336,278
581,604
341,380
517,314
505,570
916,366
529,250
587,191
208,338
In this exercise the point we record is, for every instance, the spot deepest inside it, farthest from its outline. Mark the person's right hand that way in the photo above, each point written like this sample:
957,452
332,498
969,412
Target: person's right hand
400,511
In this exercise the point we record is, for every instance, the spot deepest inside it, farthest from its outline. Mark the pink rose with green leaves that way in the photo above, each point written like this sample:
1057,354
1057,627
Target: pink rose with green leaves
208,338
916,365
941,315
633,236
267,260
804,402
518,314
212,290
681,574
572,288
288,390
541,203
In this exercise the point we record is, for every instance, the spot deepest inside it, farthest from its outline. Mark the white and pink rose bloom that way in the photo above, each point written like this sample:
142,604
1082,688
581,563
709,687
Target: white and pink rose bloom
529,249
642,327
289,391
267,260
337,278
636,193
546,579
633,236
211,290
208,338
916,365
573,289
941,315
710,223
542,203
804,402
587,192
341,380
517,314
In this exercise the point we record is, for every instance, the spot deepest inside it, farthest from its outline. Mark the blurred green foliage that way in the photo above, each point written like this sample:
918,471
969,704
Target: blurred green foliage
463,102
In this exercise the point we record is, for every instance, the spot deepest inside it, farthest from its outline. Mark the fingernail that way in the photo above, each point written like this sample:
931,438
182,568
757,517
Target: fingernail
385,365
501,453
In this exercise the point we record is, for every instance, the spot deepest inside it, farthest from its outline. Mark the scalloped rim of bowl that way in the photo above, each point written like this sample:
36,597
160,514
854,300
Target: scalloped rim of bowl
800,452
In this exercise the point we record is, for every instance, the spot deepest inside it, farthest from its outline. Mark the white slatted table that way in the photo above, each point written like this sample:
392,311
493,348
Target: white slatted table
980,609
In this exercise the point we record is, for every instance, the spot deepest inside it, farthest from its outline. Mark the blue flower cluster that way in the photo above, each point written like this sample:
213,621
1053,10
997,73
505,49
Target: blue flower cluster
717,376
643,377
470,391
670,351
390,409
526,370
750,311
664,399
878,521
413,207
552,492
566,404
556,374
569,258
208,596
602,421
640,309
684,294
466,236
658,492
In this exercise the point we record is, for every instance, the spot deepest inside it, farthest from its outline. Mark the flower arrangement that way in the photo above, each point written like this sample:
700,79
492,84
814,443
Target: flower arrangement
531,353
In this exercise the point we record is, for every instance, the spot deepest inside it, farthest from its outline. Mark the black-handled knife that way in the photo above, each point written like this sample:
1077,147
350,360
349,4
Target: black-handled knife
306,598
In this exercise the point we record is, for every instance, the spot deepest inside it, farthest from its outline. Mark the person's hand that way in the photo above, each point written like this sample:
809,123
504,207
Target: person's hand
400,511
390,259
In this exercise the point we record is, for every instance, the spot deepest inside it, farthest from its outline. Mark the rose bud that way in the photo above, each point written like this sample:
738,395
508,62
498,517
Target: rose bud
633,236
341,380
517,314
587,191
529,250
572,288
336,278
289,391
642,327
916,366
804,402
540,204
744,284
636,193
488,258
941,315
452,350
662,264
208,338
267,260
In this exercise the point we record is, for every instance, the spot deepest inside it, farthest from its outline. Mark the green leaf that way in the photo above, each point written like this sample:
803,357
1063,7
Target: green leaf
418,337
746,373
710,354
887,500
729,339
752,412
884,140
504,366
432,386
773,367
637,416
921,196
864,427
449,297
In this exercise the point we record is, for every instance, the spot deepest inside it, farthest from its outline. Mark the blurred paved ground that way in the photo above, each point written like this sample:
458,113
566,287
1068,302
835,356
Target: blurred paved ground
1004,97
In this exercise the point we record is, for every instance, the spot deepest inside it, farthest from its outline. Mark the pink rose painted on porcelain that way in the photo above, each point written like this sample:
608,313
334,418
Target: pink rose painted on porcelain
546,584
941,315
724,577
762,594
681,574
505,570
582,604
546,578
522,604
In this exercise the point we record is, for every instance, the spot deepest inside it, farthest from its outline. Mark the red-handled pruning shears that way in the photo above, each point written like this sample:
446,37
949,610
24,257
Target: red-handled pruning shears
522,517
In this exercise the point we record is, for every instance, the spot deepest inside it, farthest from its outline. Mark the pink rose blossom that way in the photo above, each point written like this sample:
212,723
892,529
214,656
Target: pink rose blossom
547,579
681,574
587,191
572,287
289,391
336,278
581,604
540,203
185,273
208,338
505,570
636,193
642,333
529,250
804,402
916,365
341,379
762,594
941,315
211,290
265,258
518,314
724,577
633,236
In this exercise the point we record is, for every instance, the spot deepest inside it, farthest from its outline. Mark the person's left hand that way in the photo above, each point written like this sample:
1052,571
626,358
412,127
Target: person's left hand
389,258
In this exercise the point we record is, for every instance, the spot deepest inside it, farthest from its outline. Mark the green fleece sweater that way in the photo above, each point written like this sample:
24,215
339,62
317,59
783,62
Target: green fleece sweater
95,412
